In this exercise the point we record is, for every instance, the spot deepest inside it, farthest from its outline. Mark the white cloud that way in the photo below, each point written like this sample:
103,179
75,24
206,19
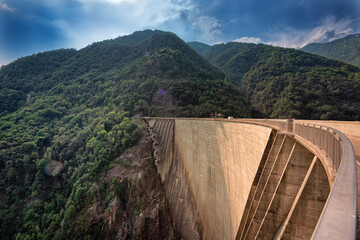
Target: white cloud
329,29
103,19
139,10
209,26
5,7
82,22
109,1
248,40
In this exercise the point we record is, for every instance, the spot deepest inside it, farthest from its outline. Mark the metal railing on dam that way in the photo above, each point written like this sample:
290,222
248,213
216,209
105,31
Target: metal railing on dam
338,216
338,220
324,137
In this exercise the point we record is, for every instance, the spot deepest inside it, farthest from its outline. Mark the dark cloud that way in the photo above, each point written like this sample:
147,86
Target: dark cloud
29,26
259,18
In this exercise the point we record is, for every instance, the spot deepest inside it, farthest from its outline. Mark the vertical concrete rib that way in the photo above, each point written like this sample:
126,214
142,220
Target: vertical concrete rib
286,192
162,134
166,143
310,205
271,148
285,223
264,178
274,182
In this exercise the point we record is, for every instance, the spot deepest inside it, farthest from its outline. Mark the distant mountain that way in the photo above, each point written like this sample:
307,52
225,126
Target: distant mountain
198,46
139,57
282,82
235,59
66,116
346,49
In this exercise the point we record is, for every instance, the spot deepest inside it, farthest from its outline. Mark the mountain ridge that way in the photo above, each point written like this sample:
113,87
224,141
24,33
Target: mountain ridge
268,75
169,58
346,49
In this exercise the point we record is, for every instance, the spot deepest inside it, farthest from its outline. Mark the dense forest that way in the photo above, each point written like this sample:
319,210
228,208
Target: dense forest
346,49
66,115
69,117
282,83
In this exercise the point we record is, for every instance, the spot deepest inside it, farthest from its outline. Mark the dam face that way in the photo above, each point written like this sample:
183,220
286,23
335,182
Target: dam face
240,180
220,168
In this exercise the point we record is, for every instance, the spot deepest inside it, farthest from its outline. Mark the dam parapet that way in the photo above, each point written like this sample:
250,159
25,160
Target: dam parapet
256,178
341,204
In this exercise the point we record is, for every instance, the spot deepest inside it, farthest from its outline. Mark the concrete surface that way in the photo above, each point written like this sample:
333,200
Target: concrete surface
230,179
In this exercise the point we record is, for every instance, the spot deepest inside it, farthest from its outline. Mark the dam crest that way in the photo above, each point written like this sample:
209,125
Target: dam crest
258,178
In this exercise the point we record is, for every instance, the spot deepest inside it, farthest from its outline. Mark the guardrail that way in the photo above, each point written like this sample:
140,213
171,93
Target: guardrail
284,125
324,137
338,219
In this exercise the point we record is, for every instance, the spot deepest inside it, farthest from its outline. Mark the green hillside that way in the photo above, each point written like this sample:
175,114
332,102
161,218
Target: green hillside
346,49
66,116
283,83
198,46
235,59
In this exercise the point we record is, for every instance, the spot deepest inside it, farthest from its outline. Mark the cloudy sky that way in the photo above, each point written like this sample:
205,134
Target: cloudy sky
30,26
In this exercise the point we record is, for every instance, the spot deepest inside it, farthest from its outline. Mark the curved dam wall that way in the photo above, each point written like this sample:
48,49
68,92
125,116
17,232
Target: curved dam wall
238,180
220,160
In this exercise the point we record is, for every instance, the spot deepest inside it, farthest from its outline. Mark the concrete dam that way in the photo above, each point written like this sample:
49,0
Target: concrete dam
259,179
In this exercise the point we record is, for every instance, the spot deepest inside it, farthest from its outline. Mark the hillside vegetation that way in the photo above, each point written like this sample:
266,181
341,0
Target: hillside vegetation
346,49
282,83
67,115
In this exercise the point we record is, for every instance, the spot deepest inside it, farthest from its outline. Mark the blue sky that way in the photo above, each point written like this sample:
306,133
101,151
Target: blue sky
31,26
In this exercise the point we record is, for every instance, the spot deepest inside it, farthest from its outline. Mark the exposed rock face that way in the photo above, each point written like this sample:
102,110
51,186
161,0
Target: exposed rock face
138,209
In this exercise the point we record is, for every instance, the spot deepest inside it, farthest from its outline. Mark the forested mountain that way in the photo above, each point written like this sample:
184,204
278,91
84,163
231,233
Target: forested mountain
67,118
346,49
136,58
283,83
198,46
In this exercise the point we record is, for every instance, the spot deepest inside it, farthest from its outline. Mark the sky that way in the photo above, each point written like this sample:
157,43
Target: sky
31,26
